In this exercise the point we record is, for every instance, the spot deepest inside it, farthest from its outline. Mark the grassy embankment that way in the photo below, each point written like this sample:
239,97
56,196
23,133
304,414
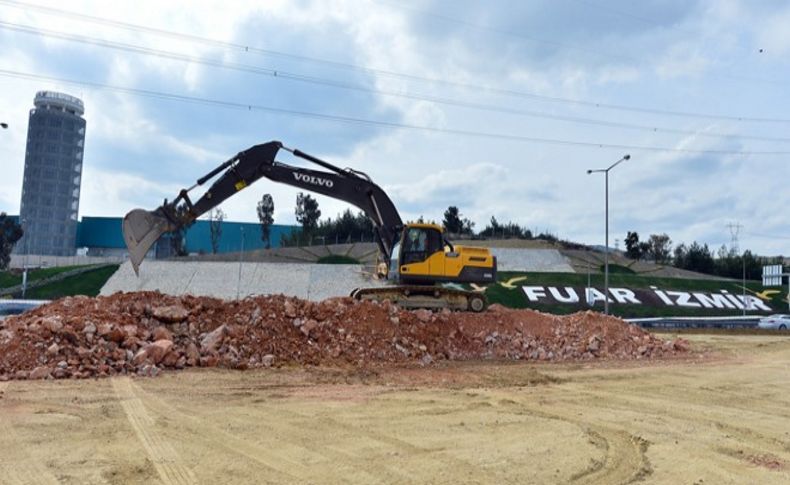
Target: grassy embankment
88,283
515,297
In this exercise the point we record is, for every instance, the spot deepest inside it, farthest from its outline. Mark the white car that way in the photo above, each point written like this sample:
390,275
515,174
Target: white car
775,322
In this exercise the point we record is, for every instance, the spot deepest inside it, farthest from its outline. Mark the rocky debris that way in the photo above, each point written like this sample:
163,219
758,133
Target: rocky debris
170,313
153,352
161,333
146,332
41,372
211,341
681,344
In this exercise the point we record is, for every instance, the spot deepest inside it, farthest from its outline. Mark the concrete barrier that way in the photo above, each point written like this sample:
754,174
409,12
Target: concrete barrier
224,280
40,261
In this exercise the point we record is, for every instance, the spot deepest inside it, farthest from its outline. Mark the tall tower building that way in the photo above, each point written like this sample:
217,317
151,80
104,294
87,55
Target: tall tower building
53,174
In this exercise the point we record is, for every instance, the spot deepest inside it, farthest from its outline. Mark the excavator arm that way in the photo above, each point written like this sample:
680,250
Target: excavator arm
141,228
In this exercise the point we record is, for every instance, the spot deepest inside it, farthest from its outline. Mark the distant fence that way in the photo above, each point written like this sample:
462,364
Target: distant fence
40,261
696,322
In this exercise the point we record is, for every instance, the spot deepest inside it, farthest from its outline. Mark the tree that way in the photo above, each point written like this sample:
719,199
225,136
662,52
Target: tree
454,223
215,218
178,237
644,249
307,213
346,227
727,262
266,218
452,220
659,248
494,229
10,233
696,257
679,255
468,227
632,245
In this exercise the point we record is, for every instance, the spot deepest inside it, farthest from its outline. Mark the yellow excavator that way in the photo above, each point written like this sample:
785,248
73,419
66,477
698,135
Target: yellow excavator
416,257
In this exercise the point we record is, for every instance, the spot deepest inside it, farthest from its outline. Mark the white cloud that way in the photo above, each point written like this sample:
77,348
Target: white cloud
140,150
682,61
109,193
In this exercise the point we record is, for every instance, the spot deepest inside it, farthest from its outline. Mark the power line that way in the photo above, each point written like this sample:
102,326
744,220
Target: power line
766,236
382,72
369,122
520,35
621,13
498,31
285,75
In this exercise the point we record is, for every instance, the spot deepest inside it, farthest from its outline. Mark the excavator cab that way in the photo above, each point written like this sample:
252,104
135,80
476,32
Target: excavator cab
426,257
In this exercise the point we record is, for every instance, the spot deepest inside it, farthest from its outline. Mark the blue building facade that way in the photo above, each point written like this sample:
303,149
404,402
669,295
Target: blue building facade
102,236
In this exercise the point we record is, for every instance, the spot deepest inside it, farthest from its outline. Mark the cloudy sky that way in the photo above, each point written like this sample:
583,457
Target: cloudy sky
497,107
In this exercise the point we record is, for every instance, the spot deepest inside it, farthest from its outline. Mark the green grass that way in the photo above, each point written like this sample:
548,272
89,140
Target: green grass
628,280
515,298
8,279
337,259
88,284
618,269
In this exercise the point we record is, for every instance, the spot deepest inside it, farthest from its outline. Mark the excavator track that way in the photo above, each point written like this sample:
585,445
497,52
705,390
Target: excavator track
433,297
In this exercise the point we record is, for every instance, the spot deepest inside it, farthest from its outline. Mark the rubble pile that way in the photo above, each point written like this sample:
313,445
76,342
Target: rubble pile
145,332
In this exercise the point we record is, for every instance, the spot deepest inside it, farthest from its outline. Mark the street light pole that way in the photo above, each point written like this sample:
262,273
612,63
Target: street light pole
606,252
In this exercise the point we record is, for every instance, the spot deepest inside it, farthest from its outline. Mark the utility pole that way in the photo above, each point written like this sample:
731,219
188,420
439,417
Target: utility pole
743,260
735,229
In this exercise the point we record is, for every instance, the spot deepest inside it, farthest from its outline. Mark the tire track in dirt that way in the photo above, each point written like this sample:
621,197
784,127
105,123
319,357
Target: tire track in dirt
277,460
699,412
16,466
403,446
624,459
166,460
379,472
376,472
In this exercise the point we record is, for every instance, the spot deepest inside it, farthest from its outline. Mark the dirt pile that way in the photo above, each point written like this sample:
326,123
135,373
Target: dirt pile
145,332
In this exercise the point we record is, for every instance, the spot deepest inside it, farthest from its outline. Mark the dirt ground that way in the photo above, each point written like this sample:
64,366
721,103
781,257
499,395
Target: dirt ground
716,420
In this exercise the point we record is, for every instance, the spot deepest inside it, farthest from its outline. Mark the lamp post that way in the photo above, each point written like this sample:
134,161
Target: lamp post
605,171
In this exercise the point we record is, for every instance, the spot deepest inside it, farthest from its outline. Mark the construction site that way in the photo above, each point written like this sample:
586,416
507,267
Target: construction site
424,360
376,242
170,377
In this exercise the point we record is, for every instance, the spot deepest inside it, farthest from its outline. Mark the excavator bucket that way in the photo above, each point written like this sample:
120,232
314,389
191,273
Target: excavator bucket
141,229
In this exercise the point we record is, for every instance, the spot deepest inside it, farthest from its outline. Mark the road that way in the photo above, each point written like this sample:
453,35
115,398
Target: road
723,418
